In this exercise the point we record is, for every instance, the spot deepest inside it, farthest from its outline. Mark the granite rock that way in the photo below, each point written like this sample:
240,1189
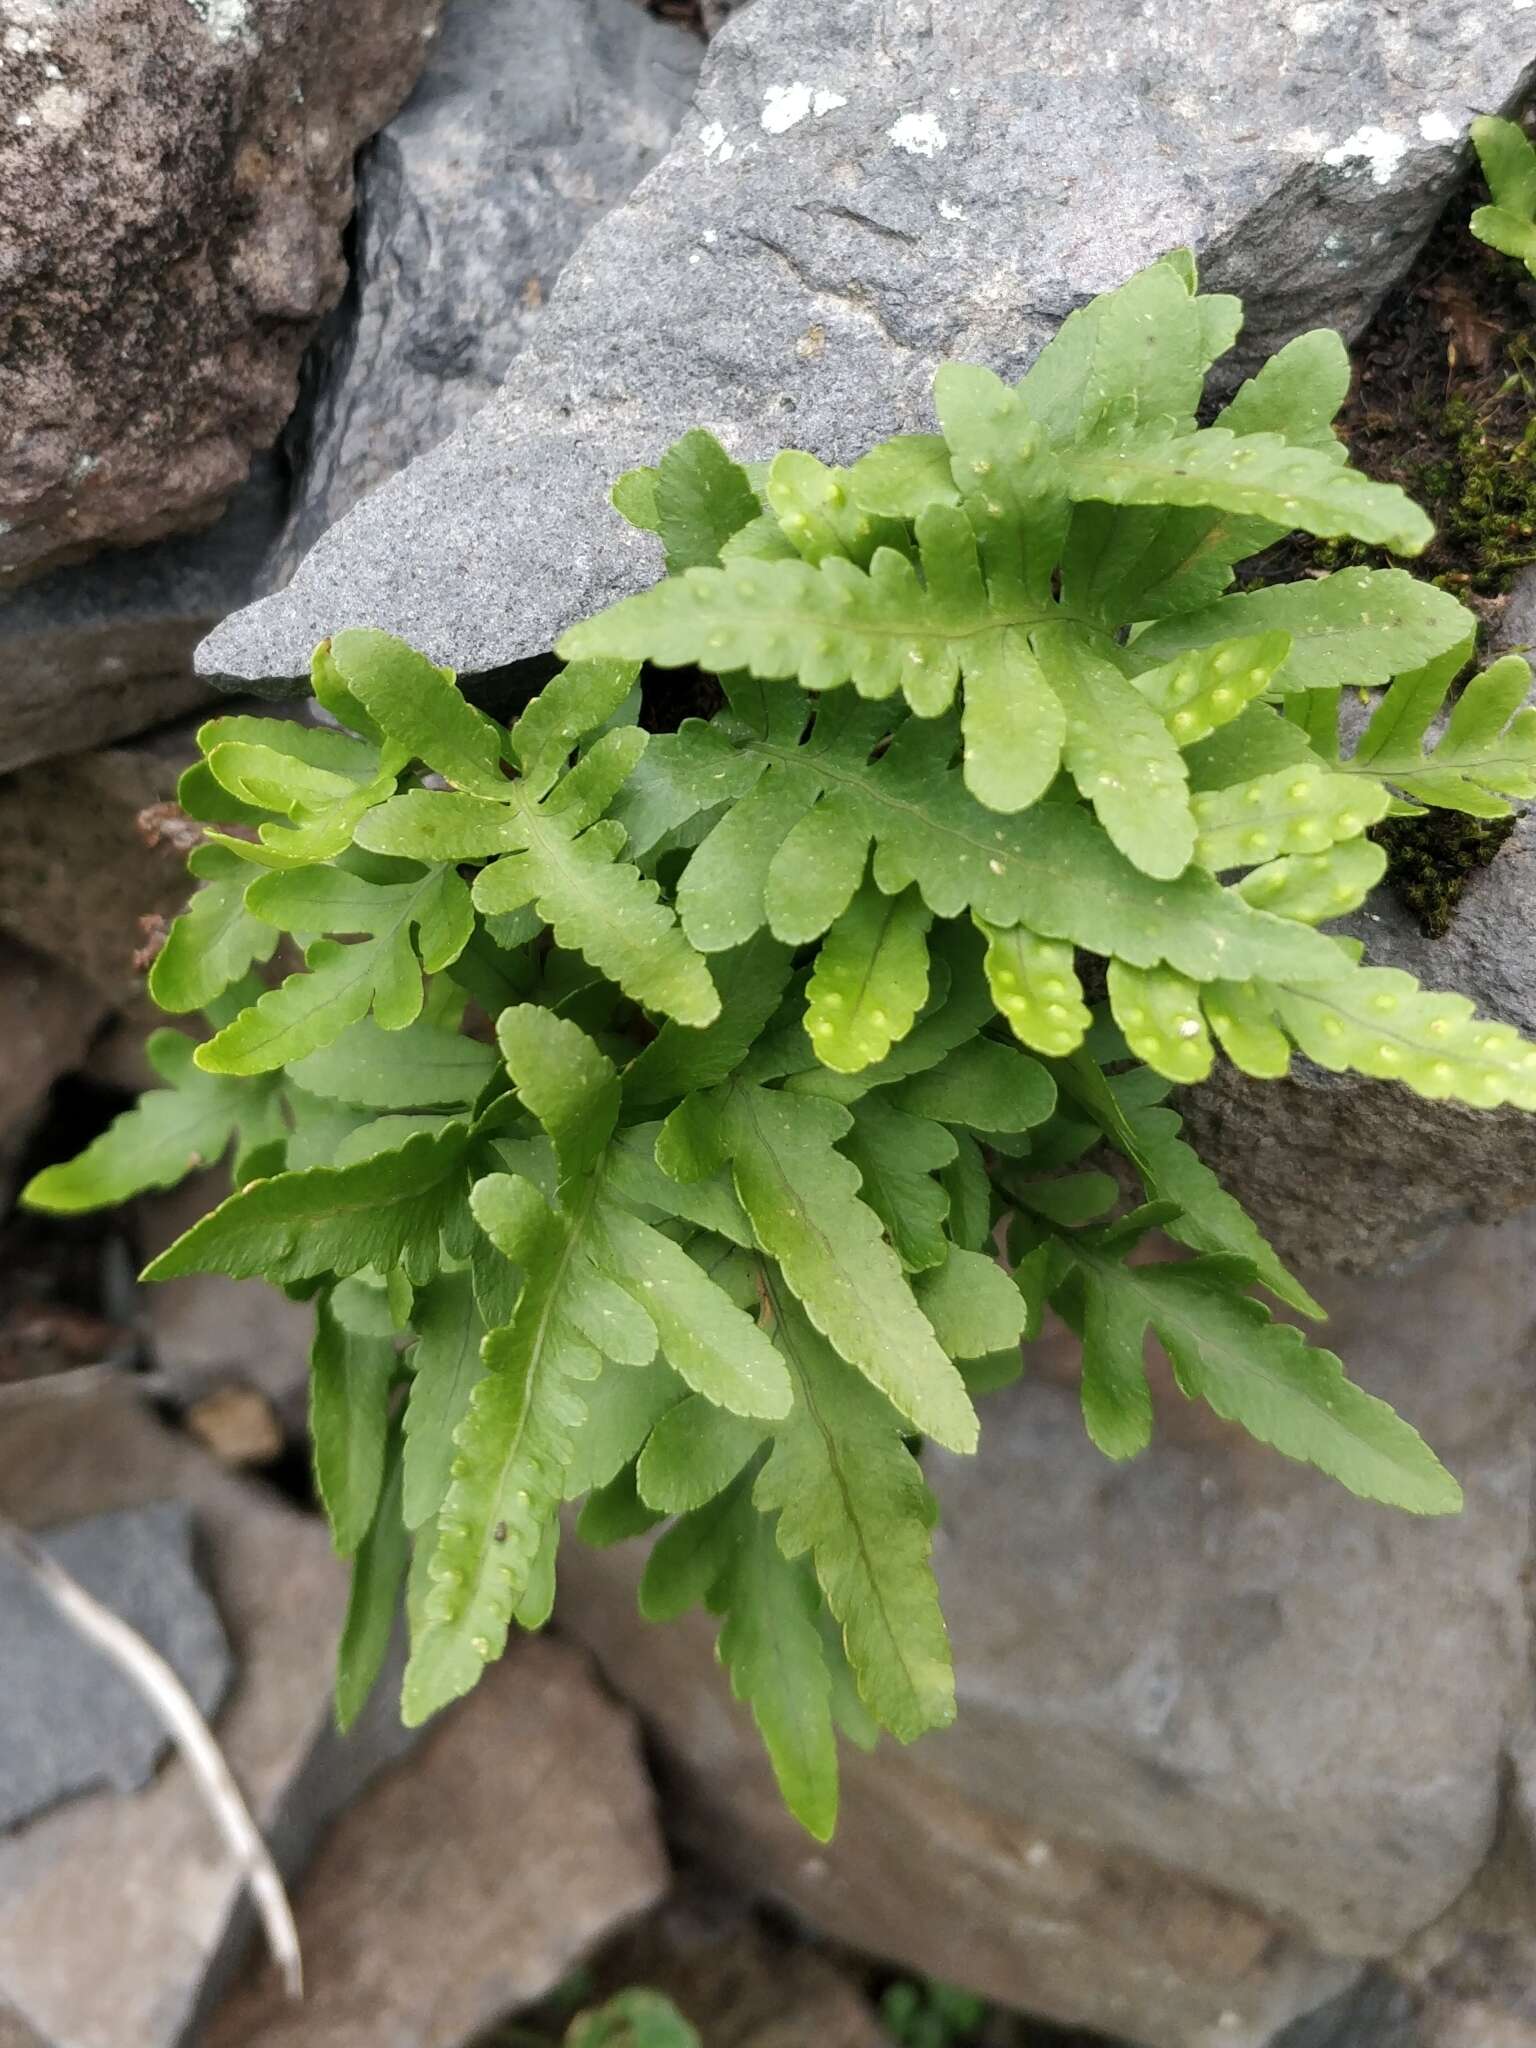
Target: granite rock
72,1720
474,1877
1203,1697
103,650
121,1918
527,124
866,190
174,180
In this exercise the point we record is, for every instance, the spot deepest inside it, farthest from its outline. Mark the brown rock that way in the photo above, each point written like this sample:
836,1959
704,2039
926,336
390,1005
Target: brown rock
119,1915
238,1425
174,179
939,1880
1204,1697
472,1878
76,874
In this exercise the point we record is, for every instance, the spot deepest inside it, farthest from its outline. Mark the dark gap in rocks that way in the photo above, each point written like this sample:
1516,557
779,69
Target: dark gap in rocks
1443,402
60,1276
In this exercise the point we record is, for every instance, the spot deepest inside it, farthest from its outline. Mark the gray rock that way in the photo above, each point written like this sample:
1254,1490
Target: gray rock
864,191
527,125
1203,1697
72,1719
121,1918
1515,632
473,1878
1354,1173
162,282
103,650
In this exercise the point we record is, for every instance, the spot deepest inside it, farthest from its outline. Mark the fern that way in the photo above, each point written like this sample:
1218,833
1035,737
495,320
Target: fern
644,1111
1509,165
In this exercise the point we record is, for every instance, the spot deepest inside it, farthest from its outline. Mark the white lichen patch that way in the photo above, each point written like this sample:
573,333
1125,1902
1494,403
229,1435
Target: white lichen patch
225,20
1438,127
917,134
1378,149
785,106
713,142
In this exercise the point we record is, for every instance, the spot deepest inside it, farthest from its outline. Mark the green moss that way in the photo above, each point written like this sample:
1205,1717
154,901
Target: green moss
1431,859
1482,496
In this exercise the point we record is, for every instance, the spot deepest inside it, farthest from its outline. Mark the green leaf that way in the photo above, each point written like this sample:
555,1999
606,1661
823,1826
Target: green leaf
1121,754
349,1382
848,1491
386,1211
216,939
373,1603
897,1156
1357,626
1297,810
974,1307
751,980
515,1444
424,1065
169,1133
1257,476
445,1367
341,984
771,1646
562,1078
1159,1012
871,979
1034,983
1486,753
418,705
803,1200
606,910
1509,165
984,1086
693,1454
1265,1376
701,499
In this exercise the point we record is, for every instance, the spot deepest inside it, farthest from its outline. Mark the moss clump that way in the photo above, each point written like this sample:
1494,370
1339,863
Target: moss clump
1431,859
1482,495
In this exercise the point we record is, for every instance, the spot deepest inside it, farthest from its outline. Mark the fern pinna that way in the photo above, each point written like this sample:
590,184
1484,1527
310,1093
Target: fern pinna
692,1124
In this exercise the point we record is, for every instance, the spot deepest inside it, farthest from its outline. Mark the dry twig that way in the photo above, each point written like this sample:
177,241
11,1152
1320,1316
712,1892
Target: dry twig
155,1679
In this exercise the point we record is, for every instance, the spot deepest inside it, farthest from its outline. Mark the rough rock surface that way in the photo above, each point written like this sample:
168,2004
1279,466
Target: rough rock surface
72,1720
174,179
528,123
77,872
474,1877
120,1916
863,191
104,649
1203,1697
1354,1173
207,1332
